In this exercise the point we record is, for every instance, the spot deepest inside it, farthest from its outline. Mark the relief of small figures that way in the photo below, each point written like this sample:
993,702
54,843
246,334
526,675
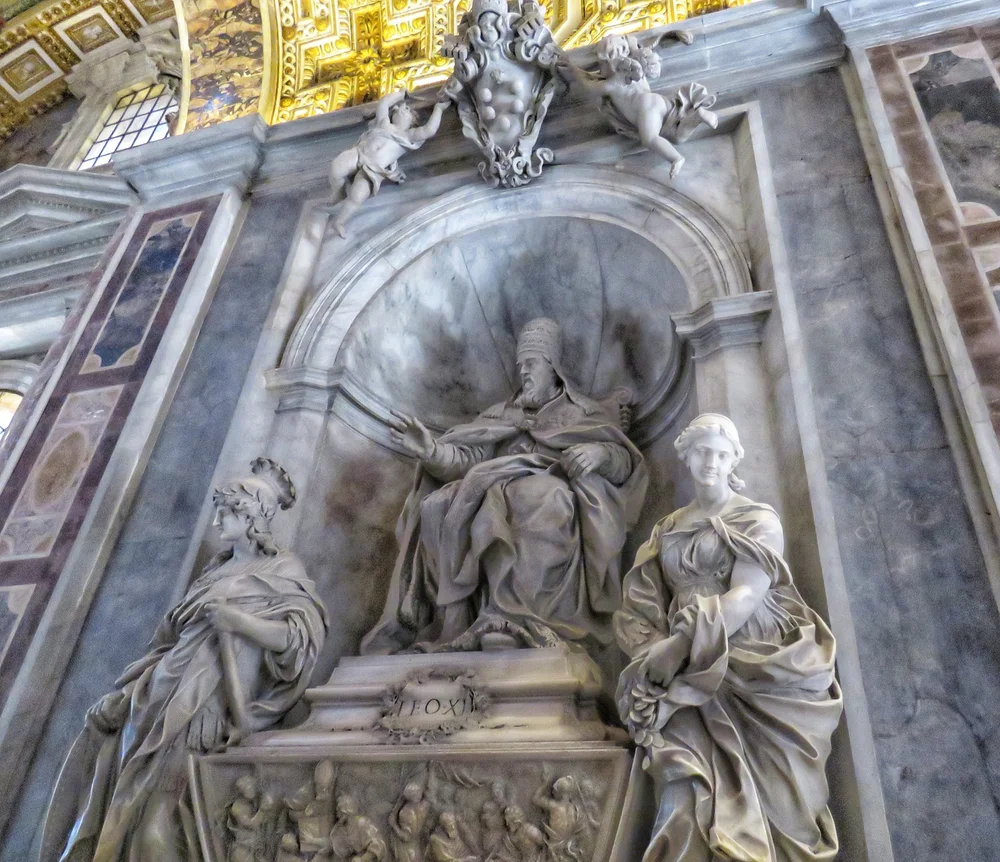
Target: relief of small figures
311,812
447,842
522,840
491,822
355,837
249,815
626,66
409,817
571,817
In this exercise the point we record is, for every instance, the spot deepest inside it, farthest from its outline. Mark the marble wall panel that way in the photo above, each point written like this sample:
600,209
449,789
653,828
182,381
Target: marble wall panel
47,497
926,624
145,568
942,97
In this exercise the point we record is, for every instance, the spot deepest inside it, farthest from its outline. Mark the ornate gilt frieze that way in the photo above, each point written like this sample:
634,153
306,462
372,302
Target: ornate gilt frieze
333,54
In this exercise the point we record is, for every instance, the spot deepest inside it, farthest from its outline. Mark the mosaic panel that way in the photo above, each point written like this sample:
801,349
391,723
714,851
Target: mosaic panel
50,491
942,97
961,103
122,336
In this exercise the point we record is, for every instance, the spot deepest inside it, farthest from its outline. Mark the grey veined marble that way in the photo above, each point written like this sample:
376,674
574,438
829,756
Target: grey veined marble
439,339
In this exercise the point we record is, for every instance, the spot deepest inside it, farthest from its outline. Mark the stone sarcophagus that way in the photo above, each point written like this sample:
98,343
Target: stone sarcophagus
490,756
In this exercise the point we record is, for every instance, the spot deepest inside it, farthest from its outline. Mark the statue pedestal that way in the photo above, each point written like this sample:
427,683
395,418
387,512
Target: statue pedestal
522,695
488,739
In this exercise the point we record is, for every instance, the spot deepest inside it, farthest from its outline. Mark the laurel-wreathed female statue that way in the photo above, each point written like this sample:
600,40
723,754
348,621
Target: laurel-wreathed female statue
230,659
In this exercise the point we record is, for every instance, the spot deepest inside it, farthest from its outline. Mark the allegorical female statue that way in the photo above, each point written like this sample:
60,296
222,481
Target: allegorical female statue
231,659
517,520
731,688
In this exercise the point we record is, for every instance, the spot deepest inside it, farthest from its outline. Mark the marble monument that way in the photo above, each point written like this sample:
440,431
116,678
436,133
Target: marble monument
626,66
513,532
503,82
359,171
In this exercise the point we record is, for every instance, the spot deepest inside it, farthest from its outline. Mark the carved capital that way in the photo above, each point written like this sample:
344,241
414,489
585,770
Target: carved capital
725,322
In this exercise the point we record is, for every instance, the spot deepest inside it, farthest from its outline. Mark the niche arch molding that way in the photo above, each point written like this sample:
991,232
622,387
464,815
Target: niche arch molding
685,231
312,376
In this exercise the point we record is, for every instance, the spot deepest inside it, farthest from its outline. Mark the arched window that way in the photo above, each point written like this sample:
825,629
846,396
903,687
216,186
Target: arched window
138,116
9,402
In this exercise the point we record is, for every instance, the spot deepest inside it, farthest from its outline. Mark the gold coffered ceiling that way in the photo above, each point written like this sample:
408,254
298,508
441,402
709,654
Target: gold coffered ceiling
335,53
40,46
282,58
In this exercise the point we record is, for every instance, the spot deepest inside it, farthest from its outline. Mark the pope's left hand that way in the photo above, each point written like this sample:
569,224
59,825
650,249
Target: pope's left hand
583,458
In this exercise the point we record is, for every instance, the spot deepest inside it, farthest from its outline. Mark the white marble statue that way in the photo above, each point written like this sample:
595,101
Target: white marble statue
517,520
731,689
357,173
231,659
503,83
626,68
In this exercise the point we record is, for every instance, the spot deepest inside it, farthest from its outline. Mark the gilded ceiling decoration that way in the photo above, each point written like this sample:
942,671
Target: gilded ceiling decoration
43,43
284,58
333,54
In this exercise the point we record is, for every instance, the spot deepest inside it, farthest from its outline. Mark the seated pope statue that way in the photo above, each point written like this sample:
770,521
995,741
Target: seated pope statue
516,522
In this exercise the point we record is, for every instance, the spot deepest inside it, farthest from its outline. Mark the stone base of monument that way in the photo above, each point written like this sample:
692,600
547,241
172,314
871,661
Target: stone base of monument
522,695
472,757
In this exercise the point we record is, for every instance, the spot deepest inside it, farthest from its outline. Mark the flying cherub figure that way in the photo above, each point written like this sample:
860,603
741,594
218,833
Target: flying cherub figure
358,172
626,68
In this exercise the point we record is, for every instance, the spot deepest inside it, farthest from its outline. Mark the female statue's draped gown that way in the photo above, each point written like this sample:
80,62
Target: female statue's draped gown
174,702
739,745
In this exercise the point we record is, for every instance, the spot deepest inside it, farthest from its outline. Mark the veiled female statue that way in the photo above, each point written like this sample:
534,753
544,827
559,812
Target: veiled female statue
231,659
731,689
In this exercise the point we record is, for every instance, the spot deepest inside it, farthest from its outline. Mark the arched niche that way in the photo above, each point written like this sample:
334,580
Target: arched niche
424,317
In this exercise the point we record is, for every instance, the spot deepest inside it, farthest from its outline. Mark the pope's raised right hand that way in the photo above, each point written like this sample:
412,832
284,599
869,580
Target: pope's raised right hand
410,433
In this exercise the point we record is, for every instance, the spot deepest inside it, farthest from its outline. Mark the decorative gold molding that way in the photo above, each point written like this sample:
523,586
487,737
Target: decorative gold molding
335,53
61,48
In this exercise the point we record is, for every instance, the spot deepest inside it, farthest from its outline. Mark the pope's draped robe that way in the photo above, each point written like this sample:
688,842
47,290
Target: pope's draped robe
742,733
168,695
493,519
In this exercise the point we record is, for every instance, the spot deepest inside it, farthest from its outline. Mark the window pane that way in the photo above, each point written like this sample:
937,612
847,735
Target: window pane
138,118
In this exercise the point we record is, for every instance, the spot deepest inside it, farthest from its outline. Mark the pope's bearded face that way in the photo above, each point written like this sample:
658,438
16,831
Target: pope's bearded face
538,380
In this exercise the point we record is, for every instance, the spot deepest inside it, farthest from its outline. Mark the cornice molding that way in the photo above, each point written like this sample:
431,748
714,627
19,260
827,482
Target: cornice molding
208,161
729,321
865,23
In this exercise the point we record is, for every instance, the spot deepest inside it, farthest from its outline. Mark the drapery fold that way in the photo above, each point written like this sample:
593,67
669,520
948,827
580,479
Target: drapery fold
738,740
